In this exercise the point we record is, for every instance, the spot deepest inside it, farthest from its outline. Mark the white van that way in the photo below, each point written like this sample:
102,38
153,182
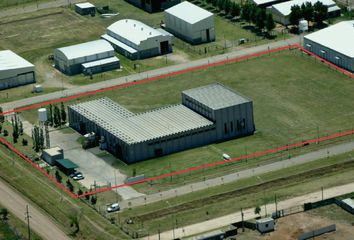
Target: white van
113,207
226,157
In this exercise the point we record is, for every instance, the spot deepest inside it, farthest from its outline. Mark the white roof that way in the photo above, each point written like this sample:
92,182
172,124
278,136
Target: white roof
85,5
216,96
119,43
285,7
339,37
86,49
53,151
133,128
189,12
100,62
260,2
10,60
133,30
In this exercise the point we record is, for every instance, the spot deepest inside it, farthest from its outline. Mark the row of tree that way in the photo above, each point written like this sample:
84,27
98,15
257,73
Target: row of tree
17,128
56,115
316,13
38,138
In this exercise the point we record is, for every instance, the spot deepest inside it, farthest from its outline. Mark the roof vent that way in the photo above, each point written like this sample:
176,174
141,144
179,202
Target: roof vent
142,29
134,25
126,20
149,33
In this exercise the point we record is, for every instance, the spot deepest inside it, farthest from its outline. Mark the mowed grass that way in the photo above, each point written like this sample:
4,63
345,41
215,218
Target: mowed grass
9,3
292,94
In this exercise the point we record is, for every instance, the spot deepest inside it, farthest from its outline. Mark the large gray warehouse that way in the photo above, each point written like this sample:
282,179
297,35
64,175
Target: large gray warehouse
89,58
207,114
190,22
14,70
334,43
137,40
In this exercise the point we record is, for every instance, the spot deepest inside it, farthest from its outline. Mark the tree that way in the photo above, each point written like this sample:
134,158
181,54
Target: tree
4,214
20,127
270,25
58,176
220,4
260,18
15,133
227,6
246,12
93,200
257,210
2,117
80,192
307,11
62,112
295,15
24,142
0,128
87,197
6,133
235,9
38,138
57,116
50,115
70,185
320,13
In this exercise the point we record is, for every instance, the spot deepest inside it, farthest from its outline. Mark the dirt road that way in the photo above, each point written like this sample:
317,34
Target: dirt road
249,213
42,224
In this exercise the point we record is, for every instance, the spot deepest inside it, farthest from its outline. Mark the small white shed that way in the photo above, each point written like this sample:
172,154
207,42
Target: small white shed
265,225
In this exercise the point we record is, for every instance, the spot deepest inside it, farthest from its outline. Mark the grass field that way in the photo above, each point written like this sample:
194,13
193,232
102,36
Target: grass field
293,98
228,198
10,3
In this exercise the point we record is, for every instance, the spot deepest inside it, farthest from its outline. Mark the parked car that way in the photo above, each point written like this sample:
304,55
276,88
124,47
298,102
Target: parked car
113,207
75,174
78,177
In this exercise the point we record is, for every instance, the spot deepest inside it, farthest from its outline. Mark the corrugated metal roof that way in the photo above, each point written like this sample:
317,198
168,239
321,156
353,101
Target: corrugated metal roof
10,60
100,62
119,43
66,163
260,2
133,30
339,37
134,128
216,96
189,12
285,7
85,5
349,202
86,49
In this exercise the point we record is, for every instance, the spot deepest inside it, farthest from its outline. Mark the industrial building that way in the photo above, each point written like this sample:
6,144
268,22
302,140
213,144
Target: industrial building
207,114
190,22
137,40
334,43
153,5
85,8
281,11
88,58
14,70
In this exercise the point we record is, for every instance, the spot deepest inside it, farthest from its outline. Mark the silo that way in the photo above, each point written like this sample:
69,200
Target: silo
42,115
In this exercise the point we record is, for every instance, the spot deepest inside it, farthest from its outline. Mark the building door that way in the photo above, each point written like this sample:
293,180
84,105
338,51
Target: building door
208,35
164,47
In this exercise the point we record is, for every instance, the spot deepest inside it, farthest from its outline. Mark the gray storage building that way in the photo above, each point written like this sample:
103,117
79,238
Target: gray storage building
74,59
52,154
207,114
85,8
334,43
14,70
137,40
190,22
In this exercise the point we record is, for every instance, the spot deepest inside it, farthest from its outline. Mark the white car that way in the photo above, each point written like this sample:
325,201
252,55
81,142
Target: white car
78,177
113,207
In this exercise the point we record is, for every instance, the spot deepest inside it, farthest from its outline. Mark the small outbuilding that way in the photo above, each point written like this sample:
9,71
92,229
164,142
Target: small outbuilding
190,22
15,70
265,225
334,43
85,8
137,40
66,166
52,154
90,57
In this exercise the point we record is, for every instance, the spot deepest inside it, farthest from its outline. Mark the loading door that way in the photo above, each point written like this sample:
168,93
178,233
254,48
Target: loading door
164,47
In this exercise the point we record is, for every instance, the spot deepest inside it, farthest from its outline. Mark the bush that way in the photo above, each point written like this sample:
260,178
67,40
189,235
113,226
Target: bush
6,133
24,142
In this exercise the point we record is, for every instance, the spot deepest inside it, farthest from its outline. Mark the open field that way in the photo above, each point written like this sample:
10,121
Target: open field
228,198
9,3
297,94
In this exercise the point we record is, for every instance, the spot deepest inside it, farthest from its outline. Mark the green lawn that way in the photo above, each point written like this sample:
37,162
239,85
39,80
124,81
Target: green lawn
292,94
10,3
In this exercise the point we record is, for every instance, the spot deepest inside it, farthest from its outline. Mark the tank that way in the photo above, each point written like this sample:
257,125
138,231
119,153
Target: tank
42,115
303,26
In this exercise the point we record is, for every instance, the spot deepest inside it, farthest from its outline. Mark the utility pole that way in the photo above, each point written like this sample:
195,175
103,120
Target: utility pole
27,217
276,205
243,224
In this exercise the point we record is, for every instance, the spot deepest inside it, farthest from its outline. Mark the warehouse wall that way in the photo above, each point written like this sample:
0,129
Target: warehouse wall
17,79
330,55
192,33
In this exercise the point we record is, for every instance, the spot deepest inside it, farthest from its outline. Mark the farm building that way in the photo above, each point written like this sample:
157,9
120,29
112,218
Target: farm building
52,154
90,57
153,5
334,43
190,22
136,40
85,8
207,114
14,70
281,11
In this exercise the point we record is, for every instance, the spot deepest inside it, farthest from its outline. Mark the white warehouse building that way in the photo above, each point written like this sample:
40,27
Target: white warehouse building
281,11
334,43
137,40
14,70
89,58
190,22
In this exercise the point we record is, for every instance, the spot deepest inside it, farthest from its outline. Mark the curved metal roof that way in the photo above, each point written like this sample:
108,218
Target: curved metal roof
189,12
